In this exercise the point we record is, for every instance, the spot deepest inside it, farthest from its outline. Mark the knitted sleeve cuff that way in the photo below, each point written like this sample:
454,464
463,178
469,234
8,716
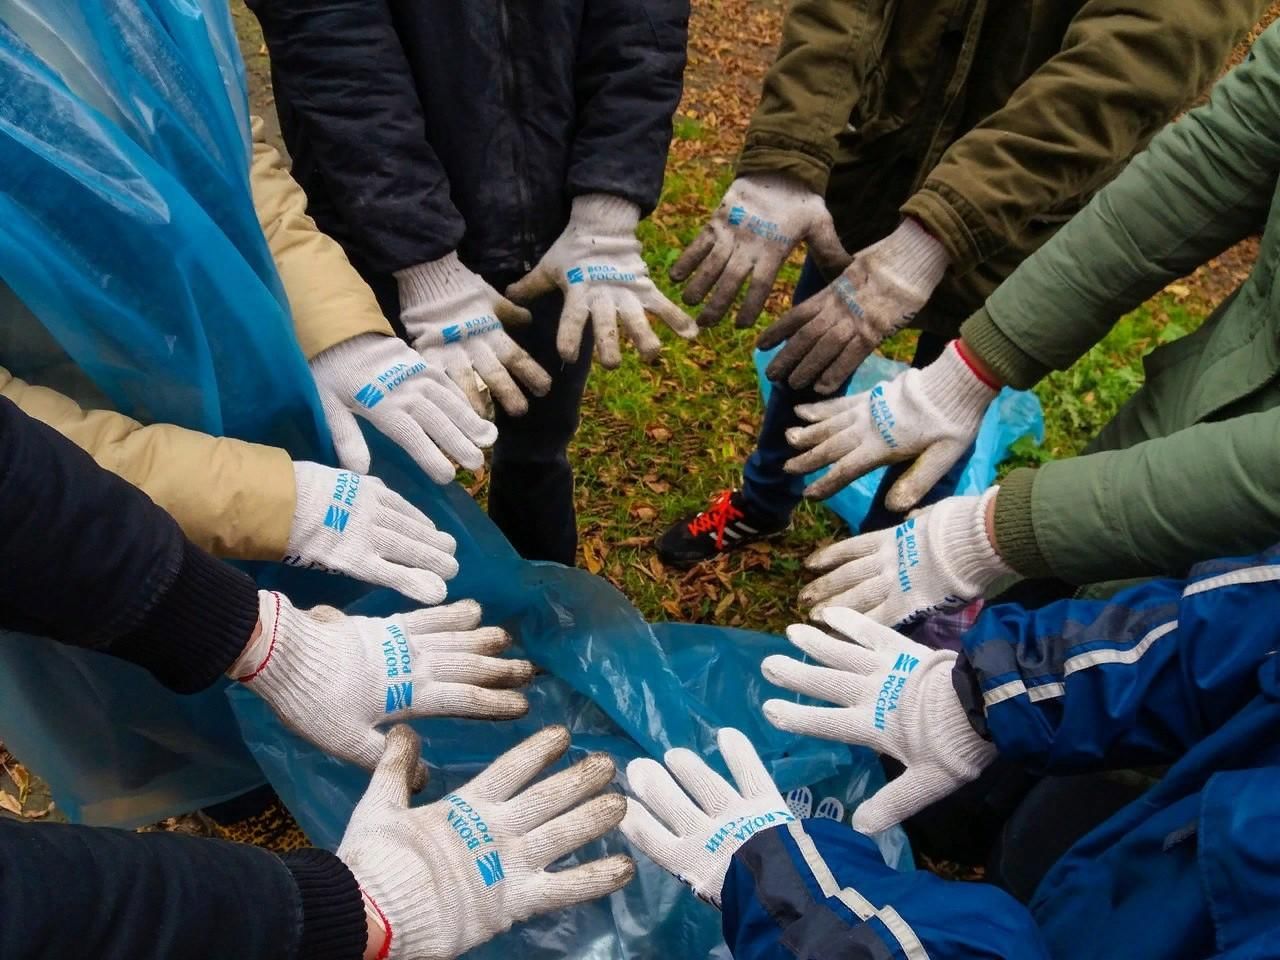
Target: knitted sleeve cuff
1005,358
333,918
1015,531
431,281
198,626
604,213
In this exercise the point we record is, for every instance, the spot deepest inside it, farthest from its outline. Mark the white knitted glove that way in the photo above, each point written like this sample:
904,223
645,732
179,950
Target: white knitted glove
758,223
931,414
938,559
355,525
413,403
336,680
892,695
695,839
450,876
830,334
454,319
597,265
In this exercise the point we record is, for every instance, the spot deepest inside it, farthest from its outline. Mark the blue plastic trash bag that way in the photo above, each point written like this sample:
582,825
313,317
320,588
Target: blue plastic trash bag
1014,414
133,276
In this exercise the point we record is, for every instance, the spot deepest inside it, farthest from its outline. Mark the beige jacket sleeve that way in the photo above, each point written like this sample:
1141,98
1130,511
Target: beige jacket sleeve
234,499
329,300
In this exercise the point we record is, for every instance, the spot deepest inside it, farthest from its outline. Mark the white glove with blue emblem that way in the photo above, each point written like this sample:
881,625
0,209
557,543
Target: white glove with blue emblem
452,875
355,525
939,559
455,320
597,265
695,839
410,400
337,680
890,694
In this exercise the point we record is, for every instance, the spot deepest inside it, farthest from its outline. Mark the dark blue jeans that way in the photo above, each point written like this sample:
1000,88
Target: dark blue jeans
769,489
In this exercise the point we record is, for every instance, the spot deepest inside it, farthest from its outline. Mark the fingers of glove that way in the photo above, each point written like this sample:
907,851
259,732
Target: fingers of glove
708,788
763,275
786,325
829,723
693,255
515,768
485,642
604,321
480,671
825,246
453,423
708,274
465,380
407,434
654,786
432,552
821,683
397,769
840,553
502,387
843,422
573,322
923,475
648,835
437,699
532,285
553,796
659,306
899,799
522,366
845,364
833,450
837,408
727,286
567,832
744,763
424,586
817,357
866,632
862,580
511,315
856,463
463,615
348,441
559,889
636,324
831,651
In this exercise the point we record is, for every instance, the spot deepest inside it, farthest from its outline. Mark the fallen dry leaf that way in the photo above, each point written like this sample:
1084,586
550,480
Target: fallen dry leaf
11,803
642,511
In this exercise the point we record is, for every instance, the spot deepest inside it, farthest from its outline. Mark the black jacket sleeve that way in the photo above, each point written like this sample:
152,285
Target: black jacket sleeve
89,560
630,70
382,177
68,891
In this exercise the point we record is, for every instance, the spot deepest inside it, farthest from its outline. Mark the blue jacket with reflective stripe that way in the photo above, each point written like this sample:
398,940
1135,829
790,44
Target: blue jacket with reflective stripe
1171,671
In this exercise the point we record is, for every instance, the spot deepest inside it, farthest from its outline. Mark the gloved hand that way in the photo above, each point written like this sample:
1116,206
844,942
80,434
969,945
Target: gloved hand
931,414
355,525
939,559
830,334
892,695
451,875
695,839
596,263
382,380
454,319
758,223
335,680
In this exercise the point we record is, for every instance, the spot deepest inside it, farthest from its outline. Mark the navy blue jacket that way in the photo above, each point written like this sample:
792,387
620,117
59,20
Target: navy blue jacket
418,127
88,559
1172,671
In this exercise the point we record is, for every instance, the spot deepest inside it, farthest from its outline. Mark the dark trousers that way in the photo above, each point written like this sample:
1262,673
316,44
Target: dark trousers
530,480
770,489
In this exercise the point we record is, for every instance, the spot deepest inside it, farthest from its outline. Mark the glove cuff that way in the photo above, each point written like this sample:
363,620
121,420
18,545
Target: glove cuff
952,386
603,213
973,561
434,280
914,258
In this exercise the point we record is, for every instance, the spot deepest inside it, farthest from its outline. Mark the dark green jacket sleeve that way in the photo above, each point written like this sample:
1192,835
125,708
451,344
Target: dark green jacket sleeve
1125,68
811,89
1204,183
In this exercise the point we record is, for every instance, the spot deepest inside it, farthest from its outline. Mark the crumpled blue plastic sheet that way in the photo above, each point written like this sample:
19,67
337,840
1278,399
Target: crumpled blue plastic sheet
1014,414
133,276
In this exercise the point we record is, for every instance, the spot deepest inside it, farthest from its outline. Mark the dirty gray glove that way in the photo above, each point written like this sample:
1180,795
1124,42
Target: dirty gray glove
455,320
597,265
758,223
449,876
830,334
931,415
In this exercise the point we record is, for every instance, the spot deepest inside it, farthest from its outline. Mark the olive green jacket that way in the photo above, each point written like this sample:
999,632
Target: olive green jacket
1189,469
990,121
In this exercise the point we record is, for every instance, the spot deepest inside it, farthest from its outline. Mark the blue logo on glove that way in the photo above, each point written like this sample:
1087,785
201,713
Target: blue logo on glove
368,396
490,867
908,552
891,689
882,416
451,333
574,275
737,215
335,518
399,661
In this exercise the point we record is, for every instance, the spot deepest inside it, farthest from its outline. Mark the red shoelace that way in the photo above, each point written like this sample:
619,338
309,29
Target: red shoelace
721,512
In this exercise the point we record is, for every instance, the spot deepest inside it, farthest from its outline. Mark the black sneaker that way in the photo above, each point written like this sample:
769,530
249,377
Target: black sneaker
728,524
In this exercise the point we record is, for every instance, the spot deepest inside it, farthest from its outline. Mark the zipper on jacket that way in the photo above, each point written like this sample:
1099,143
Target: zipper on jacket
511,95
